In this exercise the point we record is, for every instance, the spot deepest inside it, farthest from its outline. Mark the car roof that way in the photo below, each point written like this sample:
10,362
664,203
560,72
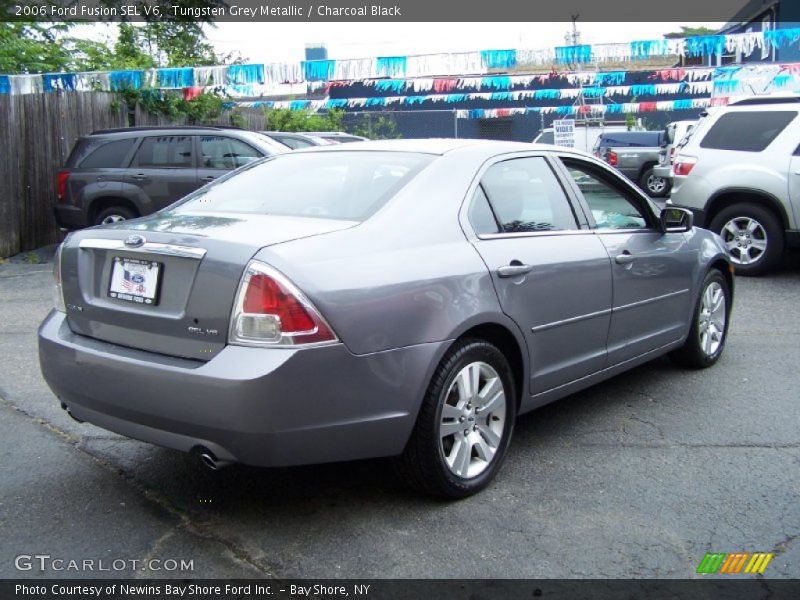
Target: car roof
438,146
300,134
173,129
779,98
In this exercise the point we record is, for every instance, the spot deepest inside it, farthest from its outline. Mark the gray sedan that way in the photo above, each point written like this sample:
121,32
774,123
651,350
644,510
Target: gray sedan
404,298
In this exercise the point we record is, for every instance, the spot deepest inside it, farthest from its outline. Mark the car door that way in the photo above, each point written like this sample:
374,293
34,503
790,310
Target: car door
794,185
163,169
551,273
651,270
219,154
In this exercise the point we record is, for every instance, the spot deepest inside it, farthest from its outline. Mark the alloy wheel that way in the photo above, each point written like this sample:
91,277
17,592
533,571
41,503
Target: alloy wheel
746,240
655,184
472,420
711,320
112,219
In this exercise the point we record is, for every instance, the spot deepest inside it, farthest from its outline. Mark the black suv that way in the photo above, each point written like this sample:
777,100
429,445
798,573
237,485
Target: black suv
117,174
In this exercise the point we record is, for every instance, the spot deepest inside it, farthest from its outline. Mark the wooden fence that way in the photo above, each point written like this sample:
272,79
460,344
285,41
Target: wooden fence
38,132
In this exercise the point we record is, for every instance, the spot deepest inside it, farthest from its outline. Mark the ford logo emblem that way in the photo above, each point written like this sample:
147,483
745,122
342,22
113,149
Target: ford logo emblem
134,241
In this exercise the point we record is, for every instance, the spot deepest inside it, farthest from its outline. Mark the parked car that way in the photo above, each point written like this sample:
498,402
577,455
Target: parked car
118,174
634,154
739,172
295,140
337,137
674,132
585,136
406,298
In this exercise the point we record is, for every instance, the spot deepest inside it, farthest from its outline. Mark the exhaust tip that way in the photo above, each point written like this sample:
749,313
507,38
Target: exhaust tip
209,460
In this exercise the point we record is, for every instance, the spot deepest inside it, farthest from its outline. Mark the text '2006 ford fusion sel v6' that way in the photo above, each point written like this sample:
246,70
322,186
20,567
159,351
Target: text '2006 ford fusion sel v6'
401,298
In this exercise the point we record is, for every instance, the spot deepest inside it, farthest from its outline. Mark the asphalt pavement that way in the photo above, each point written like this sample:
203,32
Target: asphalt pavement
637,477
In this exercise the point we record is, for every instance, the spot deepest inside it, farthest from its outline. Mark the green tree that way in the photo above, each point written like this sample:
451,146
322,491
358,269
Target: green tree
32,48
689,32
131,49
286,119
377,128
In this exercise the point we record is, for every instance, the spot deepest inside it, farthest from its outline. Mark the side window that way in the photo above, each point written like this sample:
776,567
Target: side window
108,156
750,131
610,207
165,152
217,152
480,214
525,195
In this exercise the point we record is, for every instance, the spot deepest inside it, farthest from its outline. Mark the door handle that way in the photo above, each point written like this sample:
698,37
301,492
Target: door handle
139,176
208,178
625,258
513,270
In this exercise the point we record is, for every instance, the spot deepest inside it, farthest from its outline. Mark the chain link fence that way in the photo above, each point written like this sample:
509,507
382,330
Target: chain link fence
388,124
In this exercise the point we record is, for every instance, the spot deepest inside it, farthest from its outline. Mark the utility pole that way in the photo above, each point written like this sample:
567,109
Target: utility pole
576,37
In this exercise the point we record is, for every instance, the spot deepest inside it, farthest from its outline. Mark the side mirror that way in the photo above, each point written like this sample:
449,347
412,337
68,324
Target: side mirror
676,220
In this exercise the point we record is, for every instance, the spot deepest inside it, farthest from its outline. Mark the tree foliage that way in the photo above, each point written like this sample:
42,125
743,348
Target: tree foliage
205,108
285,119
687,31
27,46
381,127
32,48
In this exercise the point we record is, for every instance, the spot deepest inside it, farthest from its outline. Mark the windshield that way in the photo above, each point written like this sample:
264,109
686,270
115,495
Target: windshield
334,185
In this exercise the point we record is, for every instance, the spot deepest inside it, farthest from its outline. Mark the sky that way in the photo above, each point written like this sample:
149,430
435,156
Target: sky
285,42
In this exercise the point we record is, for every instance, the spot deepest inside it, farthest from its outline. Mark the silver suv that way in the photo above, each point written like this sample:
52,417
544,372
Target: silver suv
738,171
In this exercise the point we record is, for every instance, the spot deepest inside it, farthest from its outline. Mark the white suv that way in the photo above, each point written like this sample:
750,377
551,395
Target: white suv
738,171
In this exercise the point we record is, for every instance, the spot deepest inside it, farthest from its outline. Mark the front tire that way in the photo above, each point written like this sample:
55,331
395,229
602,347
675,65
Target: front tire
464,425
710,320
753,236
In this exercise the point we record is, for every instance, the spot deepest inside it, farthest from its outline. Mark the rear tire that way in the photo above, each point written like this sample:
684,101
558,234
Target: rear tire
710,320
464,424
753,236
114,214
654,186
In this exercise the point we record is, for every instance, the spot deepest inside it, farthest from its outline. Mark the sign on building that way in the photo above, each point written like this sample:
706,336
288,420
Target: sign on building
564,133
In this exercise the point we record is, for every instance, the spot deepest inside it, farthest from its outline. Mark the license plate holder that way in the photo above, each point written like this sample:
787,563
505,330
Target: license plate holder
135,280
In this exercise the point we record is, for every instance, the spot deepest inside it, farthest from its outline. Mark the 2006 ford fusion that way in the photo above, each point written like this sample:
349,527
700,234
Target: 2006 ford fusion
404,298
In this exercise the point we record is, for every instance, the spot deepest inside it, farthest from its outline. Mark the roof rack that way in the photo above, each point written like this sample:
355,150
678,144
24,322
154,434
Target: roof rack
166,127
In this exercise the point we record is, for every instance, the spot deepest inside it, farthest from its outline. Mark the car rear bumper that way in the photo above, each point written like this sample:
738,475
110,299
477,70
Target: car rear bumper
263,407
70,217
663,171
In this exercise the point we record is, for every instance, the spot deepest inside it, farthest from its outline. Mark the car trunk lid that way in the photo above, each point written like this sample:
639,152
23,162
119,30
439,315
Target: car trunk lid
175,277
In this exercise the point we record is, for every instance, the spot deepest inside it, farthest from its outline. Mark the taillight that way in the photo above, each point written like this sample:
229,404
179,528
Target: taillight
62,185
612,158
683,166
58,290
271,311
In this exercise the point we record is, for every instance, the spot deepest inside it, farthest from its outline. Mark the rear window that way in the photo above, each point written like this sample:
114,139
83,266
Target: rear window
750,131
631,139
331,185
108,156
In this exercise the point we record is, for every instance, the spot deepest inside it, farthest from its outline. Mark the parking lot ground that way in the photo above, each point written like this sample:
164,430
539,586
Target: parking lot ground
637,477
